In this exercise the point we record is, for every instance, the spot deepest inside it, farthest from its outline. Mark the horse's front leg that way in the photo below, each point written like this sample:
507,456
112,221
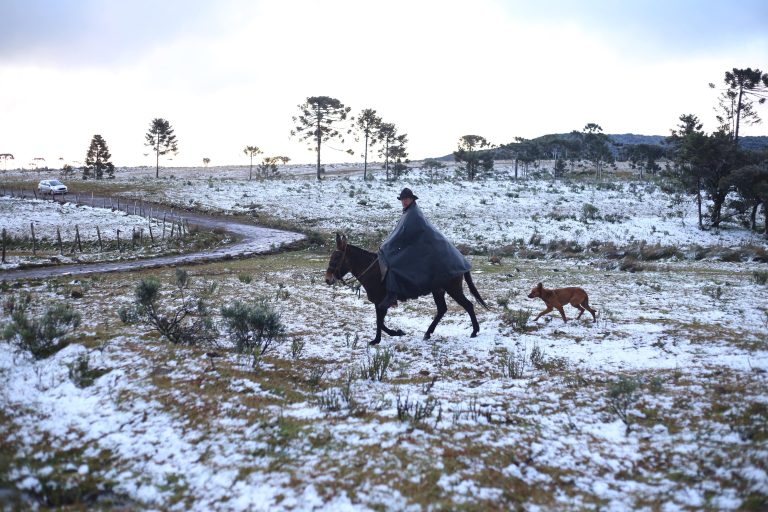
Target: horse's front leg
381,312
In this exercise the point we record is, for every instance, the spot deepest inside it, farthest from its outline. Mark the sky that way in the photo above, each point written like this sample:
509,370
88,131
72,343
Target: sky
231,73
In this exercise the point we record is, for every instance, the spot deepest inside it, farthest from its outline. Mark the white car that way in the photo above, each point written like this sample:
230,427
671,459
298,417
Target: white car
51,187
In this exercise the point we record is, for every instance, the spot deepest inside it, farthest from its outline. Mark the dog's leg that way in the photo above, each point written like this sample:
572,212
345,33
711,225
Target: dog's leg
562,313
581,310
592,311
549,308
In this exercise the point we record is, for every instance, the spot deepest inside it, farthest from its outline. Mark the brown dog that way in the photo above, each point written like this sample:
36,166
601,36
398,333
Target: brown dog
559,297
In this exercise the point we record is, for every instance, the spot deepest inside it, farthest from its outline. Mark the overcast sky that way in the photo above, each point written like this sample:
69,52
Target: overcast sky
230,73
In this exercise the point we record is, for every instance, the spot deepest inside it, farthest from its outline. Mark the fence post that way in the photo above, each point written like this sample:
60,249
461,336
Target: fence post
34,242
58,239
3,260
98,235
77,237
118,241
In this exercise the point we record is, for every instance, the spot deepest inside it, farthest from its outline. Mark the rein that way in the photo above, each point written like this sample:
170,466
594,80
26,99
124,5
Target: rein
357,278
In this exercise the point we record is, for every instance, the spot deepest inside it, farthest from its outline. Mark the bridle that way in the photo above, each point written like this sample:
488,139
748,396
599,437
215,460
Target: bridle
334,271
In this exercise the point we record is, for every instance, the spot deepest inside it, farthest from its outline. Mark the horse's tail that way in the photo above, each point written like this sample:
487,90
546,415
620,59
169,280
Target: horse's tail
473,289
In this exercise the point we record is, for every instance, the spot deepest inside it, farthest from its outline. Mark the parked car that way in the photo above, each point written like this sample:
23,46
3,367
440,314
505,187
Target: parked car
51,187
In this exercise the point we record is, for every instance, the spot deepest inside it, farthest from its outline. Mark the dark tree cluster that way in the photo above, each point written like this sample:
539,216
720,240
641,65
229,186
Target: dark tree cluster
716,164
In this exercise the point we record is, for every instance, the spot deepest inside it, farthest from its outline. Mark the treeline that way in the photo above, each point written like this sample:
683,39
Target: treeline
710,165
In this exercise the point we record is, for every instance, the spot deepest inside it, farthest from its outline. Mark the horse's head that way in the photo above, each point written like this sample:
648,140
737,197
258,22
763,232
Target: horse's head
338,266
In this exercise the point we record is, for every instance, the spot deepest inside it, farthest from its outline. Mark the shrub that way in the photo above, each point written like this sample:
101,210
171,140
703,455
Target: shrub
376,366
516,318
189,323
630,264
589,212
538,358
330,400
760,277
622,394
297,347
81,373
417,412
659,252
253,327
512,366
45,336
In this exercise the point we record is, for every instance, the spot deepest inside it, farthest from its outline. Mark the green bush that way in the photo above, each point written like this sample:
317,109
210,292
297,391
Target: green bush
377,366
416,412
188,323
512,366
516,318
81,373
589,212
253,327
45,336
622,394
760,277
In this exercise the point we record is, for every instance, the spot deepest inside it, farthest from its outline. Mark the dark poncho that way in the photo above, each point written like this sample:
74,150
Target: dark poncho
417,258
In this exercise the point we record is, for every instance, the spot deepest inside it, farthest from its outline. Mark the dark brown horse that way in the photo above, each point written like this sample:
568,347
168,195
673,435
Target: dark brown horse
364,266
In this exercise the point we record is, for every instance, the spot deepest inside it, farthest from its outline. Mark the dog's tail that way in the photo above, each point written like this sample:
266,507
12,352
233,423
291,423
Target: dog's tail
473,289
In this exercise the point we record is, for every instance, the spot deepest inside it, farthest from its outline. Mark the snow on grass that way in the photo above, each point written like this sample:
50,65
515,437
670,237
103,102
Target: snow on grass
164,429
16,215
486,213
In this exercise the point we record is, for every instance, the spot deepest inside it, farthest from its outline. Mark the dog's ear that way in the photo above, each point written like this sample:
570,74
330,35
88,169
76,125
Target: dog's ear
539,286
338,240
343,242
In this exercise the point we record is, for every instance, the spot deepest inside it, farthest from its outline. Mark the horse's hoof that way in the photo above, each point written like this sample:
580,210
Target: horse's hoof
399,332
374,342
427,336
473,335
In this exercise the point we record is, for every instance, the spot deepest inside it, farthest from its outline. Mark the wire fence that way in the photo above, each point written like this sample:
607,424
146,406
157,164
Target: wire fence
168,226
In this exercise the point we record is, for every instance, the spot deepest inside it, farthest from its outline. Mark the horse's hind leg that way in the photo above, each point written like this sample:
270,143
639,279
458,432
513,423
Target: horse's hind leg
442,307
458,295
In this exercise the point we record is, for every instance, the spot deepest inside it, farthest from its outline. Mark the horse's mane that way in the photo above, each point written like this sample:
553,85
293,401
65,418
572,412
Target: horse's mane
360,251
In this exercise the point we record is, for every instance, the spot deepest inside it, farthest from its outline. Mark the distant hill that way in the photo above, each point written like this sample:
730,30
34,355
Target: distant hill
751,143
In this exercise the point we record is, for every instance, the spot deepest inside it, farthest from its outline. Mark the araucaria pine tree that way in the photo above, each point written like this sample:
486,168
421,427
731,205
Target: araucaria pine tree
97,164
367,125
316,122
161,139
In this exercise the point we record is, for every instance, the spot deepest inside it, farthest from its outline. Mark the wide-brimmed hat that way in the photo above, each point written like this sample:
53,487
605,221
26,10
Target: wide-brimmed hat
406,192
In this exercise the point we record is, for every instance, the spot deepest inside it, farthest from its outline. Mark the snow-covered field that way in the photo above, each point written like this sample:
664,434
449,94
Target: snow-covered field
483,214
449,427
105,234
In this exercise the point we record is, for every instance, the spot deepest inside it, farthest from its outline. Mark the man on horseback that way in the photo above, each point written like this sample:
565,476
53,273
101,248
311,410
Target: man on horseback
416,258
